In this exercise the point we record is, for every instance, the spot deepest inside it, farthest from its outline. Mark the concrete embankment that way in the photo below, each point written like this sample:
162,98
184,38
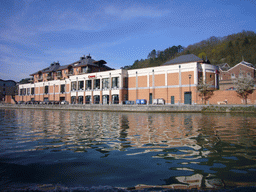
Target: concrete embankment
143,108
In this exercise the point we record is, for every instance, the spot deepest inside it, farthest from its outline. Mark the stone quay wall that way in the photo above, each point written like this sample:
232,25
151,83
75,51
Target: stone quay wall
142,108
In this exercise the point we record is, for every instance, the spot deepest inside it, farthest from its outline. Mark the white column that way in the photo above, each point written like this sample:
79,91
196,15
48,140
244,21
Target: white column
196,75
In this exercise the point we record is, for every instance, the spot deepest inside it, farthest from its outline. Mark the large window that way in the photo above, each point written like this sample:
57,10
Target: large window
59,74
115,99
62,88
70,70
80,99
28,91
96,84
81,85
105,83
73,100
96,99
46,89
86,69
88,84
32,91
105,99
73,86
115,82
87,99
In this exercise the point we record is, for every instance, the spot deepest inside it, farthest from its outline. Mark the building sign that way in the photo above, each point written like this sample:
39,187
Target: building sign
91,76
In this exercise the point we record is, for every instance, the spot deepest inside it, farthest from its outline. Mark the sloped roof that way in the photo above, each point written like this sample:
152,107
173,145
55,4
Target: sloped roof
246,63
53,67
223,66
84,61
184,59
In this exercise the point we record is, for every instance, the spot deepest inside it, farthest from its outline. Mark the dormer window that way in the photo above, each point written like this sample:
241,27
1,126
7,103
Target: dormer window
70,70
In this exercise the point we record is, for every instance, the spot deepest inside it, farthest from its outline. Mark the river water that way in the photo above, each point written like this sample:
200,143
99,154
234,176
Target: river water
81,148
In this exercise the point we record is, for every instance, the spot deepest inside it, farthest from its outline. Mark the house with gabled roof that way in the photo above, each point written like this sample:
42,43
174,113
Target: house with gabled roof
228,74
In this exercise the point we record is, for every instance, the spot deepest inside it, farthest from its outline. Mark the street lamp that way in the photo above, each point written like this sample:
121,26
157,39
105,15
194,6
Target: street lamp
189,76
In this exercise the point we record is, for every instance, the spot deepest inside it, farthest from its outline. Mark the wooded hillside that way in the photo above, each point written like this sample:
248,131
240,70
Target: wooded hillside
230,49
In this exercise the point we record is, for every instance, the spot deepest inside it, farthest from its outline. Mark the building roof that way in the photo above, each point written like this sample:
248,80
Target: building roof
246,63
84,61
184,59
53,67
223,66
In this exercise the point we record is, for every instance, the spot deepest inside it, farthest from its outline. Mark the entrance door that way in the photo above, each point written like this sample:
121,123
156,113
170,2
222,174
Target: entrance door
150,98
187,98
172,100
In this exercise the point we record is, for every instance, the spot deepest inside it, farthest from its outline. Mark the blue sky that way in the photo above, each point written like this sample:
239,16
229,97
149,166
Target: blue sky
35,33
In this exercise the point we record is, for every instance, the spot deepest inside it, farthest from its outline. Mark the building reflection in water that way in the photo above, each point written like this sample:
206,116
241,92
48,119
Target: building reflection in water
203,147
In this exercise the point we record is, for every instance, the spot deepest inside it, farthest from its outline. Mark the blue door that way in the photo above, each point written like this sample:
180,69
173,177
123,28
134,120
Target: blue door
187,98
150,98
172,100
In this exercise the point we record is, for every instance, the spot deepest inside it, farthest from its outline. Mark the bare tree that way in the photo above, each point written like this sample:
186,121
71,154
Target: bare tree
204,89
244,87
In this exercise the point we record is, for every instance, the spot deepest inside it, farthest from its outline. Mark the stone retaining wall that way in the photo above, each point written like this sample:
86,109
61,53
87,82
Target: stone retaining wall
142,108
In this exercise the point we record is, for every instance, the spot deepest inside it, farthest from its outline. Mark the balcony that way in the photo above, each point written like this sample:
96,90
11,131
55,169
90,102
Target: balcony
59,76
70,73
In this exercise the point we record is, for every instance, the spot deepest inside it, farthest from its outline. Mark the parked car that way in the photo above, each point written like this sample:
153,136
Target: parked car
128,102
64,103
159,101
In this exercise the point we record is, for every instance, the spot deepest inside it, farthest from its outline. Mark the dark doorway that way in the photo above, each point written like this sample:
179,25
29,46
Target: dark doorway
187,98
172,100
150,98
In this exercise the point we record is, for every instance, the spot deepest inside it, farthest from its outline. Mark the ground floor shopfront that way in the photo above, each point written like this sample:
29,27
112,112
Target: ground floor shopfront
175,84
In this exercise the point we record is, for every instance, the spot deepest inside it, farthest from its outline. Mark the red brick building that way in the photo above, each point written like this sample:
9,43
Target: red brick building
228,74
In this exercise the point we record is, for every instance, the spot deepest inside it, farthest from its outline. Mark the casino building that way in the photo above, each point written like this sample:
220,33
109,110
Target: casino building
92,82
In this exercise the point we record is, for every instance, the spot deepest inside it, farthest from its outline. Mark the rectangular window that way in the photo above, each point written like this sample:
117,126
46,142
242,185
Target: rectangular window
59,74
81,85
73,86
126,82
233,76
24,91
32,91
80,99
87,99
115,82
96,83
105,83
20,91
86,69
115,99
62,88
46,89
88,84
73,100
28,91
96,99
